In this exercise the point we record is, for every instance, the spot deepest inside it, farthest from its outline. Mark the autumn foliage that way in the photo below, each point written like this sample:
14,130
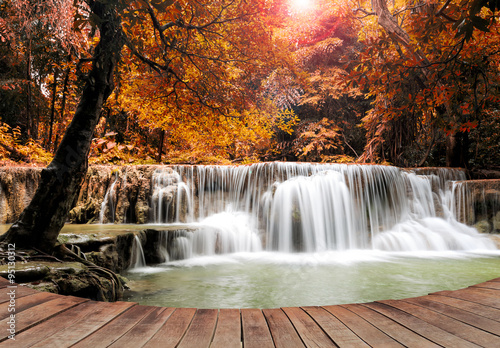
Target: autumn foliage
409,83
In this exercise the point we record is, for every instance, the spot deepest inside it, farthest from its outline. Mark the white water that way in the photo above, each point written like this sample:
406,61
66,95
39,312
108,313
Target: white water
304,207
108,204
138,258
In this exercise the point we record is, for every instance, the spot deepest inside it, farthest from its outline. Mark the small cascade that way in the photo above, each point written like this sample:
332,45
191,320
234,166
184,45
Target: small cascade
108,205
227,232
432,234
224,233
476,202
138,258
311,214
171,198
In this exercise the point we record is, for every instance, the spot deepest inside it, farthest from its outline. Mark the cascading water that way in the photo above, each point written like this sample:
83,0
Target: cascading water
138,258
108,204
293,234
292,207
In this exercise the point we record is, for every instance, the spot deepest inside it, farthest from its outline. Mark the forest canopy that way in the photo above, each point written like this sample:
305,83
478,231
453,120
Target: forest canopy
409,83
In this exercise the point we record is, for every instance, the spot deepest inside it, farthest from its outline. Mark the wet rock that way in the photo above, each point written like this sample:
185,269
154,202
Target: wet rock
113,252
483,226
76,280
496,222
67,278
26,271
87,212
17,187
478,200
480,174
163,245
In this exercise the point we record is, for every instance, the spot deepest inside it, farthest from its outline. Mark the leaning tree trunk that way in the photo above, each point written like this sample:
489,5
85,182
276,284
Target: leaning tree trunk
40,223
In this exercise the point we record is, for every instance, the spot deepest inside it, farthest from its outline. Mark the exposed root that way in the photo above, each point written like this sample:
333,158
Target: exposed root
117,285
64,254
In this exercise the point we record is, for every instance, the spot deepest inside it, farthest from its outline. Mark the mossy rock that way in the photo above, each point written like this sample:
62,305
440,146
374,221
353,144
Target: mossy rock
26,271
483,226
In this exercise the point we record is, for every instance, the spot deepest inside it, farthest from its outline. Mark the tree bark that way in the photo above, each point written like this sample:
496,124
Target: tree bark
52,110
457,148
29,118
40,223
160,146
63,103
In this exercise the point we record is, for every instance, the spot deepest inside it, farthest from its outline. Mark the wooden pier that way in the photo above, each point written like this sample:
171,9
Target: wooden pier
463,318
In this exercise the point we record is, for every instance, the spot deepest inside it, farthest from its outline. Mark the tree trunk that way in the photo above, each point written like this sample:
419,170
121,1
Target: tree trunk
52,110
457,148
40,223
63,103
29,119
455,154
160,146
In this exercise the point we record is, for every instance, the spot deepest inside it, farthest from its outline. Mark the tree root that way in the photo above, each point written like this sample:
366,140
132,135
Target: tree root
63,254
117,284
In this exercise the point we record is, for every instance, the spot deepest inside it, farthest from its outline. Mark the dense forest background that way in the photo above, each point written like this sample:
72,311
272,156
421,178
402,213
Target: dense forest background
407,82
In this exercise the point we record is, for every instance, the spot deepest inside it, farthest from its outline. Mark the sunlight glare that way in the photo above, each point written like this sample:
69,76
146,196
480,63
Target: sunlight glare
302,5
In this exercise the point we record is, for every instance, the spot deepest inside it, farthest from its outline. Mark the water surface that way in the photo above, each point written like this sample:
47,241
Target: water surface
271,280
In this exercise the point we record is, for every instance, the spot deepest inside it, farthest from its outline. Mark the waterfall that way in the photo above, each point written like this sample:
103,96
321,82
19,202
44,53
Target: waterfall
308,207
171,199
475,202
138,258
108,204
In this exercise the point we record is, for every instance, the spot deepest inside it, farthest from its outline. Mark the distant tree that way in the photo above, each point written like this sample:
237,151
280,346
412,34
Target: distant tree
431,77
321,40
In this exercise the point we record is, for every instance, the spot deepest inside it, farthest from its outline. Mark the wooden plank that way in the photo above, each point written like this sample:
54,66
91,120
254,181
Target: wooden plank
486,297
23,303
116,328
228,329
476,308
488,285
472,319
340,334
145,329
201,331
170,334
4,283
103,313
16,291
51,326
282,330
37,314
256,333
447,323
366,331
400,333
309,331
419,326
